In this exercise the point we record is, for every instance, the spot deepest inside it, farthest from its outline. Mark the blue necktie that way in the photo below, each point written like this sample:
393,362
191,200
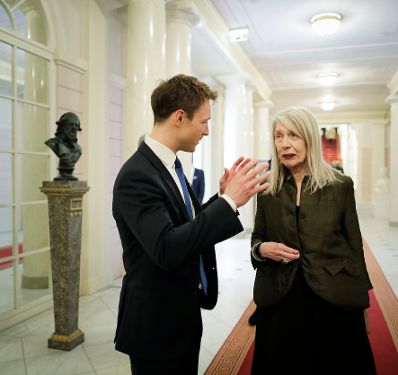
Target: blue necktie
181,177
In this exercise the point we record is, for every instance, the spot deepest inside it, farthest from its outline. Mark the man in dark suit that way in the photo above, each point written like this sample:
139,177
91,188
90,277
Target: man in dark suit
198,184
167,236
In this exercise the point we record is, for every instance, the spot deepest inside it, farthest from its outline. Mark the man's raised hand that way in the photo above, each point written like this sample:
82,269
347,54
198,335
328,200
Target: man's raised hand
245,179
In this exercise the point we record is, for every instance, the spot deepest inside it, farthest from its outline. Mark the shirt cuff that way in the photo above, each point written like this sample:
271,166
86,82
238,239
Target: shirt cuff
255,253
230,201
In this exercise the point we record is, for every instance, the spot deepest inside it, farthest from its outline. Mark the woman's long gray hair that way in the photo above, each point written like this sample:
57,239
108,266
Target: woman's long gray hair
302,122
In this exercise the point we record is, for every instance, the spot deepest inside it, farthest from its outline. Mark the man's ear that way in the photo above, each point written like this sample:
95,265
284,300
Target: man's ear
179,116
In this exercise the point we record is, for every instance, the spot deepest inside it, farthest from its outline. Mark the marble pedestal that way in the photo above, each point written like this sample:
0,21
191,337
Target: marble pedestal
65,200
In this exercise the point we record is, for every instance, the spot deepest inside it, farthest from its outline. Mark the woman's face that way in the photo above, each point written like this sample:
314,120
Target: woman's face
291,149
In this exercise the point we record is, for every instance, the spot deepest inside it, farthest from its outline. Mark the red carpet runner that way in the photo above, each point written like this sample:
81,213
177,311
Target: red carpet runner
235,356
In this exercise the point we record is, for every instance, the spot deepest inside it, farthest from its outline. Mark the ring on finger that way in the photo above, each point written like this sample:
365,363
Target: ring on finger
285,261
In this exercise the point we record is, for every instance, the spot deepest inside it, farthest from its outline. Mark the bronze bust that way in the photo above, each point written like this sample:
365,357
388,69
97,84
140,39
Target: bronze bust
65,145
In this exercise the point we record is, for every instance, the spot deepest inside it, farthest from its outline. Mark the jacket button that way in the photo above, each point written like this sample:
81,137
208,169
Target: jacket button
302,216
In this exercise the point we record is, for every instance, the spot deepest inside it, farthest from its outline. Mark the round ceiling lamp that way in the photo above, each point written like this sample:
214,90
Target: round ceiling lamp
327,79
328,106
326,23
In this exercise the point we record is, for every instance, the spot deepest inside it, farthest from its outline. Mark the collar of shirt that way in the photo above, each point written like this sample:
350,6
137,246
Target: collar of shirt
167,156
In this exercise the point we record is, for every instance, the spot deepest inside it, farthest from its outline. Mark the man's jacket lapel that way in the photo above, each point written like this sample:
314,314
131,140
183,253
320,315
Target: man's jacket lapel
170,184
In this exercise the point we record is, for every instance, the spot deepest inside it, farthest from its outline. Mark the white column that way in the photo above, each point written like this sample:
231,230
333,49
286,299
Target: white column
210,154
249,119
181,18
393,217
262,130
217,140
238,118
95,257
238,130
146,34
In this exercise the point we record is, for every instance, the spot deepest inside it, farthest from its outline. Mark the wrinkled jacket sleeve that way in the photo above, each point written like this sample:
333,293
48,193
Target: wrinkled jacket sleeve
353,232
259,233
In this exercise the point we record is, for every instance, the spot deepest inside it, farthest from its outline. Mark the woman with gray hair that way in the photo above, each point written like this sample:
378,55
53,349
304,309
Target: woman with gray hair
311,284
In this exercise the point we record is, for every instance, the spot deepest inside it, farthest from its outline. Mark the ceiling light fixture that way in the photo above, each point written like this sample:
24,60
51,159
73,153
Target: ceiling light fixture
328,106
326,23
239,34
327,79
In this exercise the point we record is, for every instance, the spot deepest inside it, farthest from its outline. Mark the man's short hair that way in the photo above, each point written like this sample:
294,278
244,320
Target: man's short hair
179,92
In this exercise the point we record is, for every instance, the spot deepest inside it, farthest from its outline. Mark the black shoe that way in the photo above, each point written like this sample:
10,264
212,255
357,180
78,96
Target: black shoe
253,318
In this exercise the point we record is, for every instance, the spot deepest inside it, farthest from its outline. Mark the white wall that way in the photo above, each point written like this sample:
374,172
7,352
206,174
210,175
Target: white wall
370,139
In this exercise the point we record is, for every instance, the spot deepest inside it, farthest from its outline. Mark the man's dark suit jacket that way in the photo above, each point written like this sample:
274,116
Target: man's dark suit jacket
160,299
198,184
326,233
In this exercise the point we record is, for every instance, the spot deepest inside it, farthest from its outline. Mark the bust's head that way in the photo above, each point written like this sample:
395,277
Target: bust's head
67,127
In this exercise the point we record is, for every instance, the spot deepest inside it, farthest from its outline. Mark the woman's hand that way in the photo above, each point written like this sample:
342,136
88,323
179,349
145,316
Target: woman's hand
278,252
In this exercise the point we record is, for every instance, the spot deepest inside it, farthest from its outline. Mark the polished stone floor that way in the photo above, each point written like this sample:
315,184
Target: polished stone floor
23,348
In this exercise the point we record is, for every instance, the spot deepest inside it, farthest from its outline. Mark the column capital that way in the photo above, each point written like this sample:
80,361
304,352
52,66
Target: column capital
392,99
214,84
184,11
263,104
220,89
74,63
233,79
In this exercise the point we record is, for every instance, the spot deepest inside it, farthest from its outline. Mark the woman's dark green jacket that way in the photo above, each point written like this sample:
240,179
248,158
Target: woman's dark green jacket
328,237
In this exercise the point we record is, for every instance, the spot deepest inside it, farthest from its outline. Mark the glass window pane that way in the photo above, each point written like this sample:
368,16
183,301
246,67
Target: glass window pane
12,3
5,69
5,232
32,77
6,266
34,233
6,287
32,171
4,18
5,180
5,125
29,21
20,21
34,271
32,128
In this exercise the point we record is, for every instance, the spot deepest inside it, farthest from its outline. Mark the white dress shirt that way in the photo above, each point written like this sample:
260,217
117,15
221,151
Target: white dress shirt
168,158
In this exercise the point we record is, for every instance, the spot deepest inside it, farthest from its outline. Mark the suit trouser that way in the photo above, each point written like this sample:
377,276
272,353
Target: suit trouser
187,364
